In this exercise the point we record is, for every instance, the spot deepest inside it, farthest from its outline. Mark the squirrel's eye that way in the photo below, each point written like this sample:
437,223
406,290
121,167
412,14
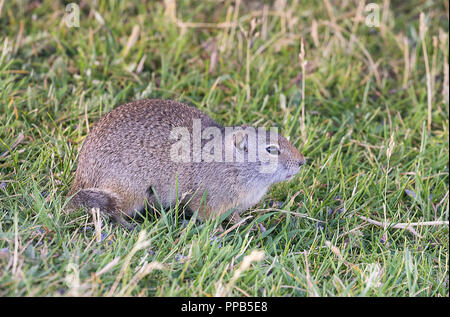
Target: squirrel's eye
272,149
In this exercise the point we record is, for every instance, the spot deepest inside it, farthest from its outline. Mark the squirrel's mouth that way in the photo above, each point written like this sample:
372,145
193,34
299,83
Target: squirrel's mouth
290,176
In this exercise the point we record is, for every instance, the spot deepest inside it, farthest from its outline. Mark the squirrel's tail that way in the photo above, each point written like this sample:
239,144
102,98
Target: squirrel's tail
106,201
92,198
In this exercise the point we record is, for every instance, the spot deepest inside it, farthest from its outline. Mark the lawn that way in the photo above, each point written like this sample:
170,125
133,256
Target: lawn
361,91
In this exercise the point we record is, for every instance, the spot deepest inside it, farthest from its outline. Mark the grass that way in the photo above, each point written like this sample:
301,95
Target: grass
375,147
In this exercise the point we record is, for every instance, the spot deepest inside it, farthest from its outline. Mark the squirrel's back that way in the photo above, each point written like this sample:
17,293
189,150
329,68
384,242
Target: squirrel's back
133,138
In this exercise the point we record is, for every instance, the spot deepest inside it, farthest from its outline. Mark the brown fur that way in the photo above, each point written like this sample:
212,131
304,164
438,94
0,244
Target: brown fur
125,160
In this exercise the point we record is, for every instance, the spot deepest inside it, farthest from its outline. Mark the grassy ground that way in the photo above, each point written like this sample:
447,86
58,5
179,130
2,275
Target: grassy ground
375,134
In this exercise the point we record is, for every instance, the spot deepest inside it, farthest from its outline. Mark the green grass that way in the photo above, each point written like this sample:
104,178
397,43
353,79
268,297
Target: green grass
371,151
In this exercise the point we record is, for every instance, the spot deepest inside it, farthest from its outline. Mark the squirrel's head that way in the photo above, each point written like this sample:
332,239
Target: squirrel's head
274,156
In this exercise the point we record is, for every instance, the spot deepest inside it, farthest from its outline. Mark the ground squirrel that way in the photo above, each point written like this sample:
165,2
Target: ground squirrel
137,155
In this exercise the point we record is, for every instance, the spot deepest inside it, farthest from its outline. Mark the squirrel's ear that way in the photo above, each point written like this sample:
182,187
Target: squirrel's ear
240,141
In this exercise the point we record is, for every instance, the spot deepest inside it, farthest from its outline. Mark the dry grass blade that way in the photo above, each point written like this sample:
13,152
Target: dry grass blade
16,245
405,226
144,271
19,140
254,256
107,267
311,288
96,218
296,214
303,62
140,244
242,221
423,30
131,40
337,252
